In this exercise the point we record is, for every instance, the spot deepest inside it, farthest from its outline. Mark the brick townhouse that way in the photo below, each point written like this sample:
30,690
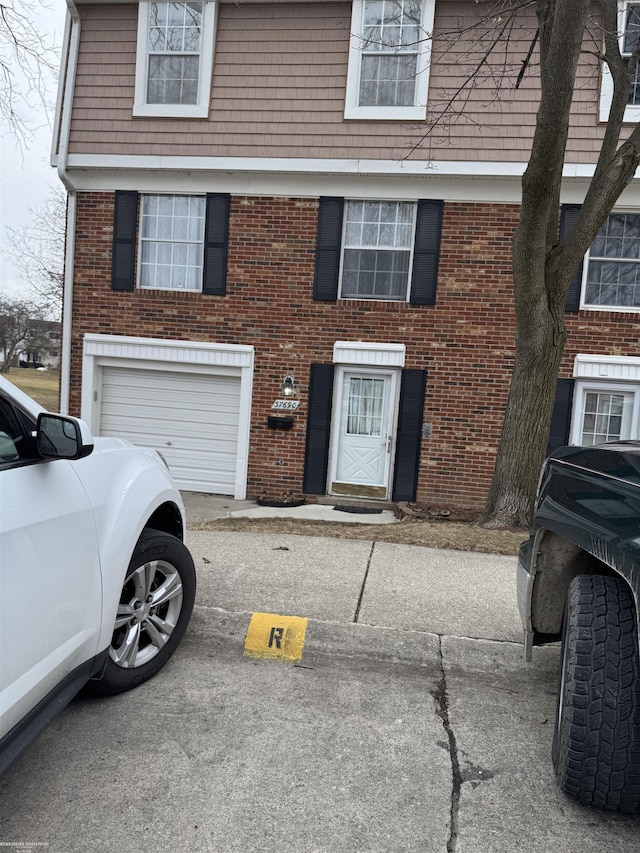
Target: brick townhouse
280,280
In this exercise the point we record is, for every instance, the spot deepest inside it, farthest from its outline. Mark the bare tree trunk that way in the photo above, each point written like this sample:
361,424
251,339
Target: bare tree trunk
526,424
540,280
542,264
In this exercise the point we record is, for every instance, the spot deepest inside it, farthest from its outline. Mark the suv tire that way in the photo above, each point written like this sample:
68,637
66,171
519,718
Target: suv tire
157,598
596,743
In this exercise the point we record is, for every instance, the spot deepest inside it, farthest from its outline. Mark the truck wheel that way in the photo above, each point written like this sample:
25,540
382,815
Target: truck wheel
155,606
596,743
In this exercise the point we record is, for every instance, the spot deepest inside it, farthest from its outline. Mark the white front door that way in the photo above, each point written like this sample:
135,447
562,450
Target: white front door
363,433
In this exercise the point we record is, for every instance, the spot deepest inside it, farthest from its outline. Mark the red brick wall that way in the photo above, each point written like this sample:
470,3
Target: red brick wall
464,342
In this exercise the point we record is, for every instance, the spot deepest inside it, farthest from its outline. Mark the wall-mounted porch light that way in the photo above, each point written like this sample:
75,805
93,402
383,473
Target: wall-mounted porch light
287,386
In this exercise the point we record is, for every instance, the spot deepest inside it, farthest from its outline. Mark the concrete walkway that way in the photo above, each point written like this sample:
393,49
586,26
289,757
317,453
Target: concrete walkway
201,508
348,582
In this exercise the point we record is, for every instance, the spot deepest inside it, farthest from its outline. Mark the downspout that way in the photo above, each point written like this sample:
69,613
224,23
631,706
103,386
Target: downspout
62,131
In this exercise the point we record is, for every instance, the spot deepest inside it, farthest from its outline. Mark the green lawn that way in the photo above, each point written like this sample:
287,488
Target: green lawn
42,385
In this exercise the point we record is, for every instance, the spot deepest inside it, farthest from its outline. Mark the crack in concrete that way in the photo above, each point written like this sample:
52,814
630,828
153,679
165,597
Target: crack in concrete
364,583
441,698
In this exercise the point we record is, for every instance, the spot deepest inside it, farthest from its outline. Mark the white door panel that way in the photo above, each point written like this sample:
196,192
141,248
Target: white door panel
364,429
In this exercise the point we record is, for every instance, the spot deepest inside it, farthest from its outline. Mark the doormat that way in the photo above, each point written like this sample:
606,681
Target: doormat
359,510
280,504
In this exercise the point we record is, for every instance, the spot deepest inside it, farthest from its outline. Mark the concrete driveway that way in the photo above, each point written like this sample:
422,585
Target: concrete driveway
411,722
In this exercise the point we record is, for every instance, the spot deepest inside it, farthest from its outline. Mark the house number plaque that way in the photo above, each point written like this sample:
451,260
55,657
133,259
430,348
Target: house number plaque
286,405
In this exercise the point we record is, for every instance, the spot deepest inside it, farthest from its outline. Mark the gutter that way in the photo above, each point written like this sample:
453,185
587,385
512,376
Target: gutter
62,131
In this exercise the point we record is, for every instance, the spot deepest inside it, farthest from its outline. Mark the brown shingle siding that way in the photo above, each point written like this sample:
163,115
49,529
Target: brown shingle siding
279,87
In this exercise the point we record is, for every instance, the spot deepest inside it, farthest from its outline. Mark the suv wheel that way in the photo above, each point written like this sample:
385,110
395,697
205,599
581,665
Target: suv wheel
596,744
155,605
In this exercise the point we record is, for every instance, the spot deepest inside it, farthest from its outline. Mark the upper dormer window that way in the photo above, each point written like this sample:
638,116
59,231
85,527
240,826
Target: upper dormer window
629,41
390,40
388,74
629,29
174,45
174,59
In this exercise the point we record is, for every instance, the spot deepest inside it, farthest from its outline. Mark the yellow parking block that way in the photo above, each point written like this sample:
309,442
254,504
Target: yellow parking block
275,637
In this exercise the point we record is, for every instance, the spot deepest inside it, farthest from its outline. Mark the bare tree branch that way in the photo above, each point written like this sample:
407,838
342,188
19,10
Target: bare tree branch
493,61
527,60
18,320
28,64
37,249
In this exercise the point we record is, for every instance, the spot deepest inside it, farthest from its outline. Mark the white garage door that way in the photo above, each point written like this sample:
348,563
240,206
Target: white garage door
191,418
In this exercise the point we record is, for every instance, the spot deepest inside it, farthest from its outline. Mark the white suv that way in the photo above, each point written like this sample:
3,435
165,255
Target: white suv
96,584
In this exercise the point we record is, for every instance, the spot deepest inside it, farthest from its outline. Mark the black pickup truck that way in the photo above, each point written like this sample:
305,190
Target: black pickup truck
579,582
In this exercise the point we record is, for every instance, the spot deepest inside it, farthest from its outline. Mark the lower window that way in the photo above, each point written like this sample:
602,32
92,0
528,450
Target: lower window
605,414
172,242
613,267
377,249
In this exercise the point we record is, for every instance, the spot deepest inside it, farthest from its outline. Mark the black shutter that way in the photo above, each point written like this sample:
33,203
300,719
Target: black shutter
316,457
216,230
561,417
123,254
568,215
325,281
426,254
412,391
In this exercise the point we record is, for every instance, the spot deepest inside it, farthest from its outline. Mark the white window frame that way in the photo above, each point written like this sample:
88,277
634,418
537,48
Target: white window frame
632,112
406,113
411,249
631,409
205,68
609,374
589,306
141,240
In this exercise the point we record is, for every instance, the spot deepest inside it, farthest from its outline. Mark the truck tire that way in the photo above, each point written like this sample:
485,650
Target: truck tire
596,743
155,606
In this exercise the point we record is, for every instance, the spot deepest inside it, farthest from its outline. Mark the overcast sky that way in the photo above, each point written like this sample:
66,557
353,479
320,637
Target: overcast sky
26,176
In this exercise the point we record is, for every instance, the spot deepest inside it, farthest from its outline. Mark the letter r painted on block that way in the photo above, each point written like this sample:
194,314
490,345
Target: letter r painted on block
275,637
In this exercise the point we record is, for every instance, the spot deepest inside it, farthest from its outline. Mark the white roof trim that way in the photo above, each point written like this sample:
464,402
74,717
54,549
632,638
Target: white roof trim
460,181
308,165
293,165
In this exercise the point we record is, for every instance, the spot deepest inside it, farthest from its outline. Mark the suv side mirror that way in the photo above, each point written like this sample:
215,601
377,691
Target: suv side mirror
60,437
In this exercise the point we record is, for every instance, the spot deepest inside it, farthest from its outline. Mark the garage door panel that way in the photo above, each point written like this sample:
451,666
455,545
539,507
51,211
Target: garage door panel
177,383
150,424
180,383
192,418
171,400
222,483
197,464
172,396
221,464
222,455
172,413
224,445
